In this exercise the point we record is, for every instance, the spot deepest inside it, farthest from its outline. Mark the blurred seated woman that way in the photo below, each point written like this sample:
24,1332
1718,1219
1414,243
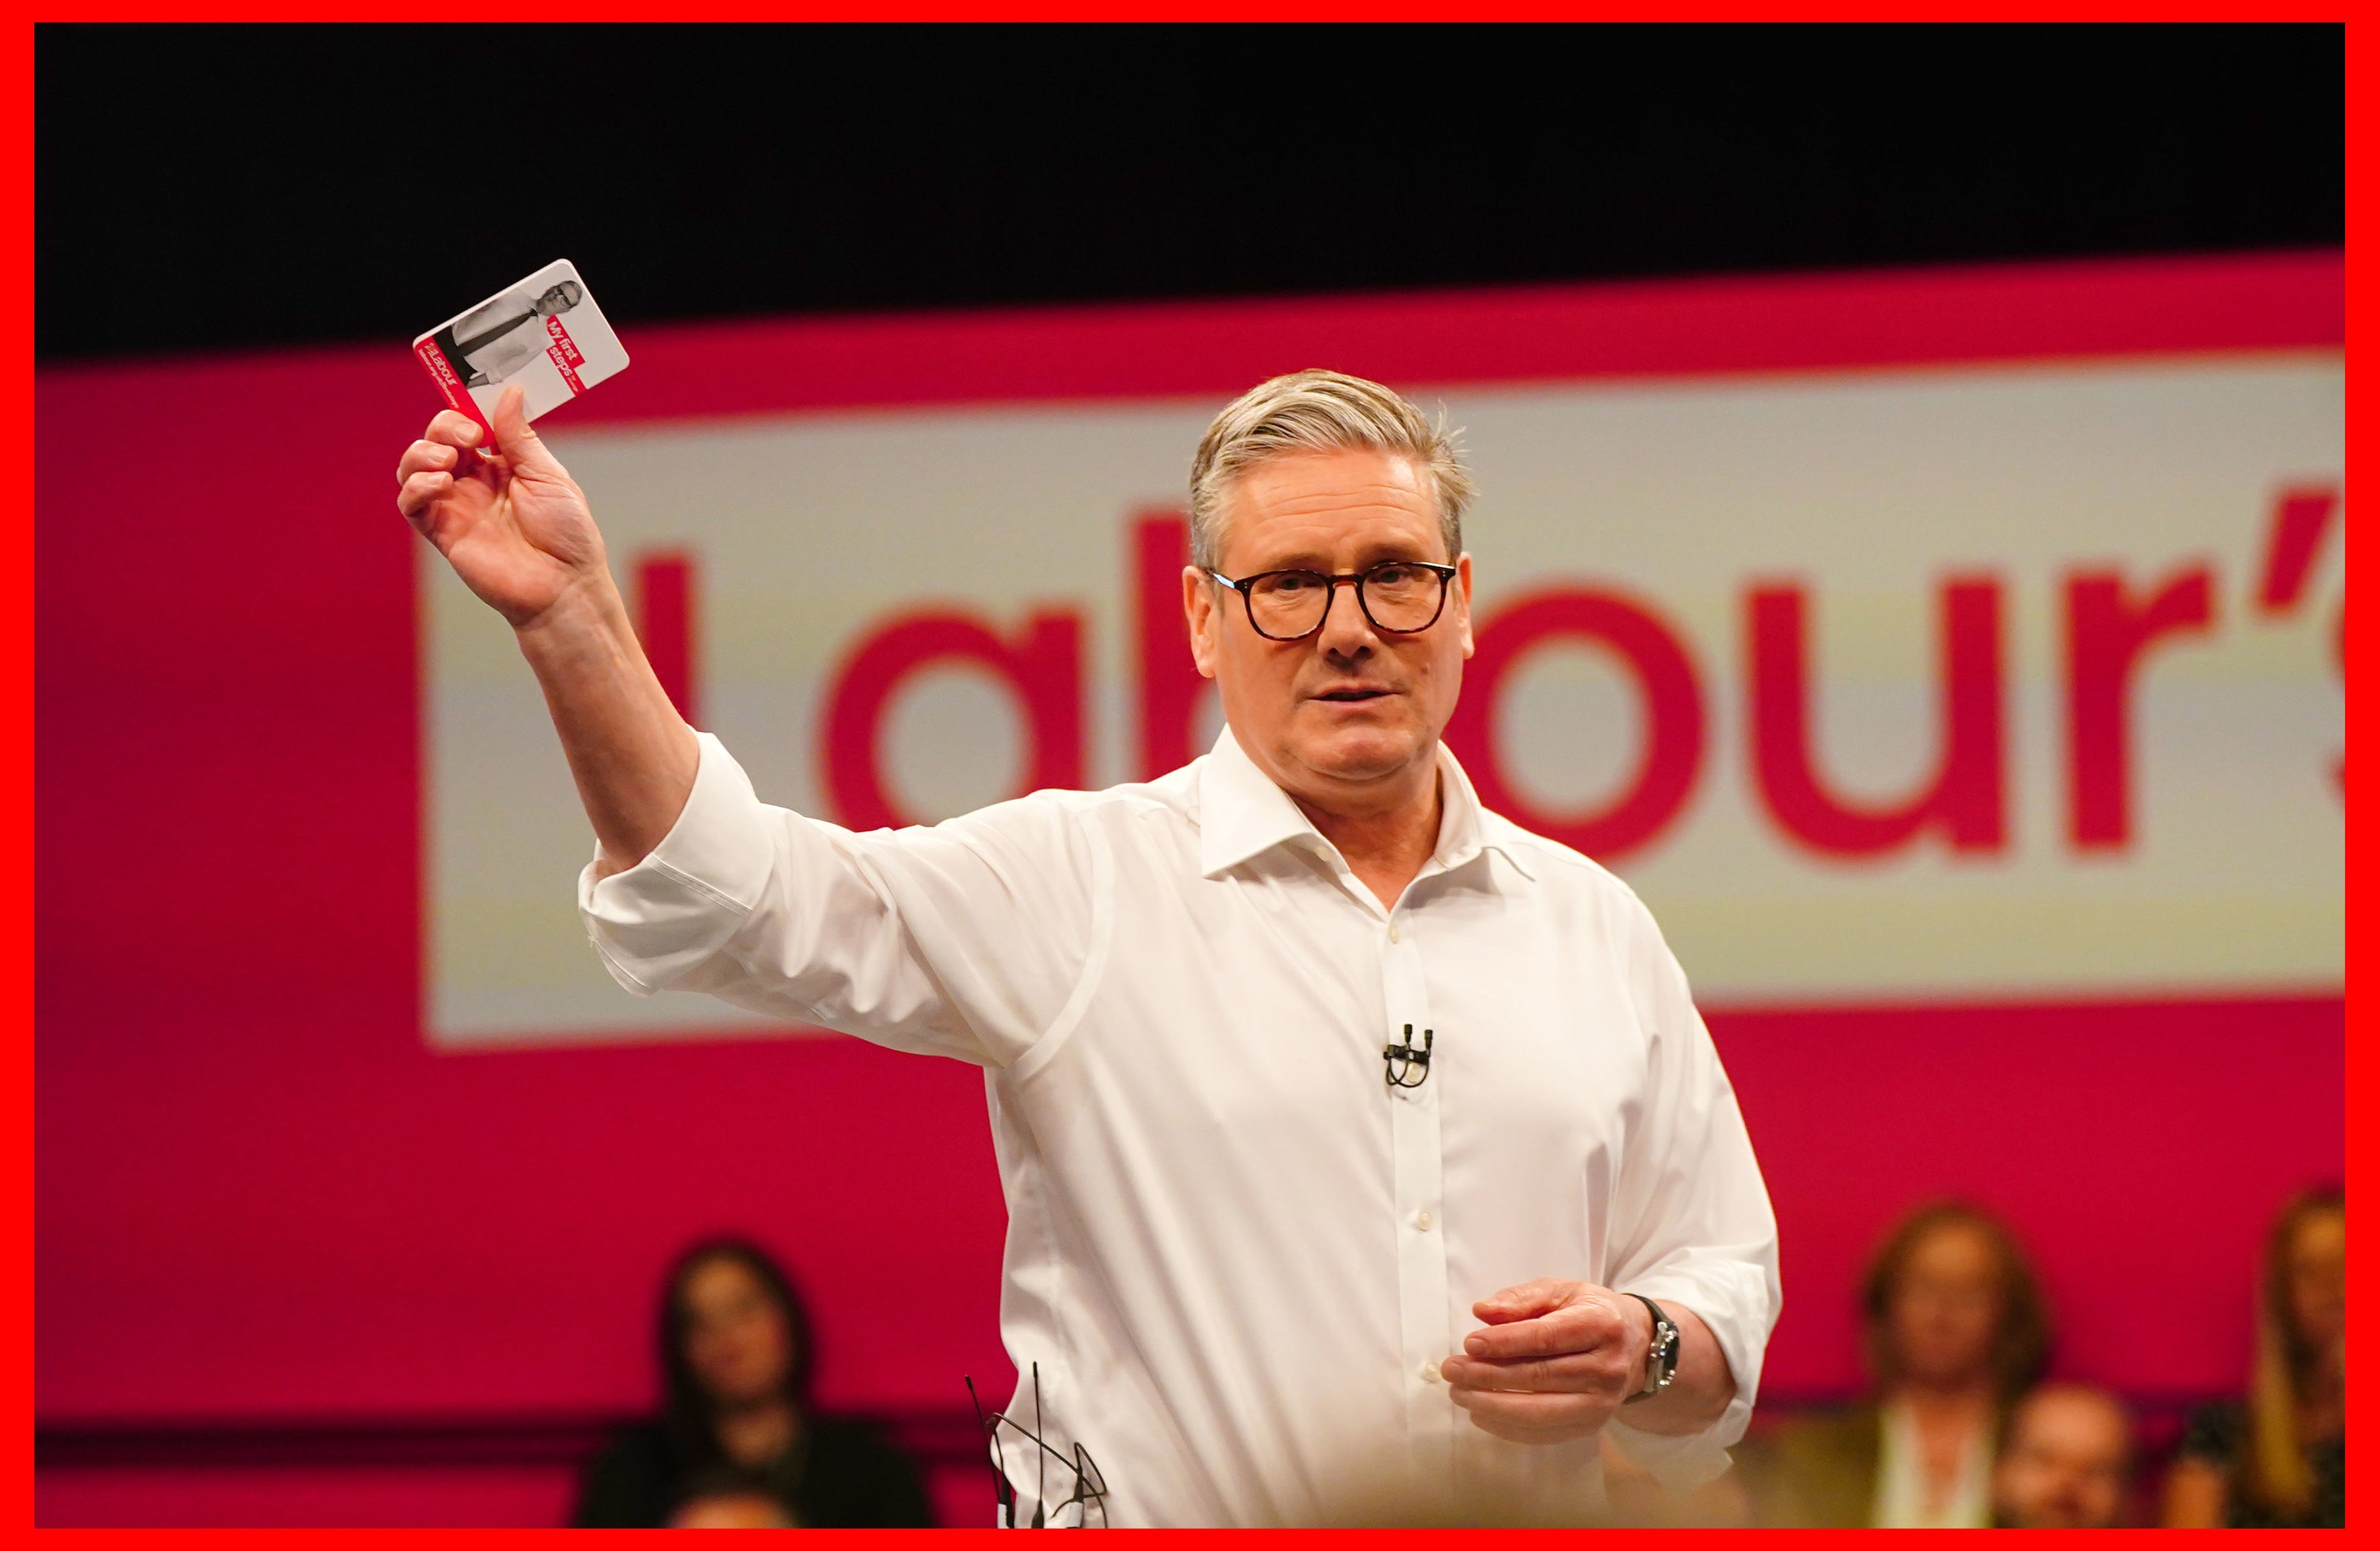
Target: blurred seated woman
1953,1332
738,1436
2280,1461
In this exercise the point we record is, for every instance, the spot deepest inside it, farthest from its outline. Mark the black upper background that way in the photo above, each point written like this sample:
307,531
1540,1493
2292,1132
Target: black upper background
237,187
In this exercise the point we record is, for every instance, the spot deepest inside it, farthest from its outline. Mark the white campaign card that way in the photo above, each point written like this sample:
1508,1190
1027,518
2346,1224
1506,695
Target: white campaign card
545,333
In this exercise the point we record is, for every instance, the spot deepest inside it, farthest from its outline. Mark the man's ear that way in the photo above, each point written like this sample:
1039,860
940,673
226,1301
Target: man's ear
1463,599
1205,619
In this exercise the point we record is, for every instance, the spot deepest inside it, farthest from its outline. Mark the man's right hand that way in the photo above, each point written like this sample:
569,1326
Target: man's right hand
514,526
510,519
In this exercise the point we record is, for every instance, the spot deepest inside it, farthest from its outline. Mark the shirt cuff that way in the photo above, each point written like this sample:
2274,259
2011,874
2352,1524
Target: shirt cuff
662,918
1685,1461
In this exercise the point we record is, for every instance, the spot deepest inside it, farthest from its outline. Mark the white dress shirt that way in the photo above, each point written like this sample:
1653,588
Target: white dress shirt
1236,1254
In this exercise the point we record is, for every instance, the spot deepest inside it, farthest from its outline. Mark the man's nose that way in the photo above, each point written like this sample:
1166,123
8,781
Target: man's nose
1346,632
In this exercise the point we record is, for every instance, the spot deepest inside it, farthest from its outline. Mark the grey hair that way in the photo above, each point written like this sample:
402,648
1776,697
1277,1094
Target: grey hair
1317,411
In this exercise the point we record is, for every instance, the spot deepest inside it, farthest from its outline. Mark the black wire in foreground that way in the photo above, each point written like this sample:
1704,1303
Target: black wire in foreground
1090,1487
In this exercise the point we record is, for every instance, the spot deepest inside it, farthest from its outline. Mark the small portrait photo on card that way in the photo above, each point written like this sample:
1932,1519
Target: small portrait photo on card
544,333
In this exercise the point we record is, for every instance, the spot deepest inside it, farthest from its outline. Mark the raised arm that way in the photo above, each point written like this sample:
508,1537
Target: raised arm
515,527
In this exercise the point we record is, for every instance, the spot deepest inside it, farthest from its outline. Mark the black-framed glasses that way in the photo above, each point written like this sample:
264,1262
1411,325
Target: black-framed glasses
1400,597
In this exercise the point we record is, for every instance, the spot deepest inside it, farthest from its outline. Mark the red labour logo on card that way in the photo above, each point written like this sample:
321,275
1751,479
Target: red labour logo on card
441,372
565,355
433,361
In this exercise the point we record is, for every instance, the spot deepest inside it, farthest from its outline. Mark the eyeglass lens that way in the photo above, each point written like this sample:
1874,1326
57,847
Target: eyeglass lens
1396,596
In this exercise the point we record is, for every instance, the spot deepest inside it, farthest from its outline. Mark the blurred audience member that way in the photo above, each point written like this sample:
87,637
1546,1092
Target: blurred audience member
2066,1461
1953,1330
2280,1461
740,1445
722,1501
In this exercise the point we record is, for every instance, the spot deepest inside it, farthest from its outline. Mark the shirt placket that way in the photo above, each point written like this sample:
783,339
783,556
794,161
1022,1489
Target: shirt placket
1422,1280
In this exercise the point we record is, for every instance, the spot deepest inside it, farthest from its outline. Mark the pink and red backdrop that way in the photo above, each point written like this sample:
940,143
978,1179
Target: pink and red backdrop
261,1194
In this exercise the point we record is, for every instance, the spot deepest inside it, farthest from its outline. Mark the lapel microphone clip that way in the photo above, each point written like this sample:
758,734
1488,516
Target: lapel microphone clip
1407,1065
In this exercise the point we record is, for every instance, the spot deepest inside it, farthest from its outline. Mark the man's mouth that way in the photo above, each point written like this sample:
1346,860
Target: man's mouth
1351,695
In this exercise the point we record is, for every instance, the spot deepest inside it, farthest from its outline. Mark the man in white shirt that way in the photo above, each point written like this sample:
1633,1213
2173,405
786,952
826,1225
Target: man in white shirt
1364,1153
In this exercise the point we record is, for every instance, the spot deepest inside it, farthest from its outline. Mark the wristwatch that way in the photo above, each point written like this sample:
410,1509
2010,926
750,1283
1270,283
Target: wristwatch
1661,1361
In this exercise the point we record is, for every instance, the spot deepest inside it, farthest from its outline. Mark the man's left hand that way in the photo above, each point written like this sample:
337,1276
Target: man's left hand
1554,1361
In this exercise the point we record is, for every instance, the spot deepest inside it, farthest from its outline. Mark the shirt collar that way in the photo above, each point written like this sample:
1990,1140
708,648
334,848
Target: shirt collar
1241,813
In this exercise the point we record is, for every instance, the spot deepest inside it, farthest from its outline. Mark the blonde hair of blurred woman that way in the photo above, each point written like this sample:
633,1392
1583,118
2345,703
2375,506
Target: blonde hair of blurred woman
2288,1361
2279,1460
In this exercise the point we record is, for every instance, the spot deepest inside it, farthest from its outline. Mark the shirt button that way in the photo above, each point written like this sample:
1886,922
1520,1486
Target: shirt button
1395,935
1421,1220
1429,1370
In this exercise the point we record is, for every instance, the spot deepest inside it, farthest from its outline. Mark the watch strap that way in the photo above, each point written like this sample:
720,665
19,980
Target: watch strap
1661,1358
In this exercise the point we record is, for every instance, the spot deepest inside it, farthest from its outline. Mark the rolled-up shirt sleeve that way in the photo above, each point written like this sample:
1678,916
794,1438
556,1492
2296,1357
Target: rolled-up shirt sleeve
964,940
1693,1225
